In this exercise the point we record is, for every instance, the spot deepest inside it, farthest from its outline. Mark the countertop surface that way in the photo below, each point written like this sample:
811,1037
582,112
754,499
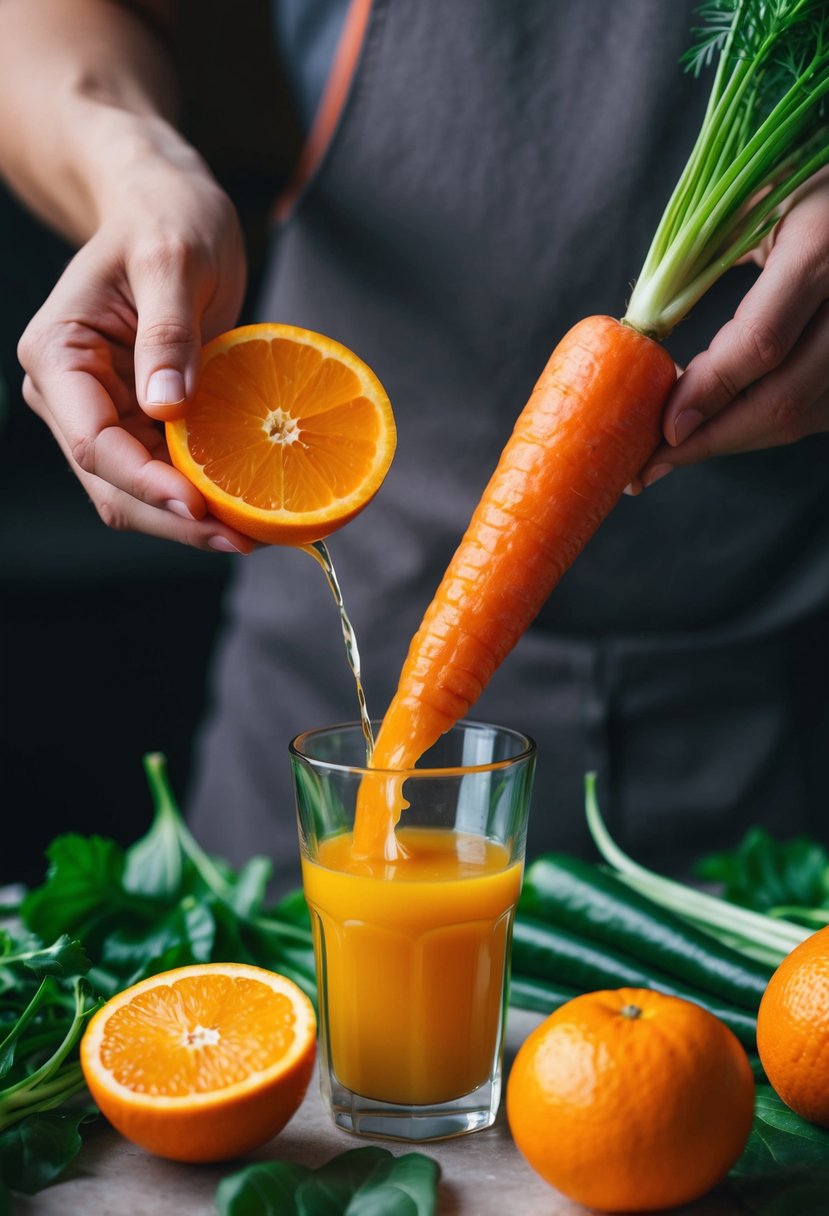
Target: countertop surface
482,1174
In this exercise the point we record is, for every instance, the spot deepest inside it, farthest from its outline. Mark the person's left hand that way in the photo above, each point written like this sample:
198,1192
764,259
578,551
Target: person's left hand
764,380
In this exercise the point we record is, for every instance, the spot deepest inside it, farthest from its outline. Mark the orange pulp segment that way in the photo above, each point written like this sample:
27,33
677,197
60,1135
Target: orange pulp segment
288,436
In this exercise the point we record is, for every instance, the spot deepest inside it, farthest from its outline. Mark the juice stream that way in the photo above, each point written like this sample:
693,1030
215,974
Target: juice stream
319,551
401,743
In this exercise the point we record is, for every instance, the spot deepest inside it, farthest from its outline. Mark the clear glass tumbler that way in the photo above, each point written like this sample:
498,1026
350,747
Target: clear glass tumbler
413,954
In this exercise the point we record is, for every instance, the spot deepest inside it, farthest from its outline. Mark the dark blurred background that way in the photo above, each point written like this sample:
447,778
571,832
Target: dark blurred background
105,638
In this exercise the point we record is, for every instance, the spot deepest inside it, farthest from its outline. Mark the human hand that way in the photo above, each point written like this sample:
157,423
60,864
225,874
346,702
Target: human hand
114,351
764,380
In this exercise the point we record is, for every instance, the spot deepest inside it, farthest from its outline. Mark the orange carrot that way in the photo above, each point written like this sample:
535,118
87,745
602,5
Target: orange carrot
590,424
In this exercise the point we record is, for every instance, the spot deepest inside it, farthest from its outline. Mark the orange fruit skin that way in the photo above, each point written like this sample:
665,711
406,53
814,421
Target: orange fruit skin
793,1029
236,397
631,1113
213,1126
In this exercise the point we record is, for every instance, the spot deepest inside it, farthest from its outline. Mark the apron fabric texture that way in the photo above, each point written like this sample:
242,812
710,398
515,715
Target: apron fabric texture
497,173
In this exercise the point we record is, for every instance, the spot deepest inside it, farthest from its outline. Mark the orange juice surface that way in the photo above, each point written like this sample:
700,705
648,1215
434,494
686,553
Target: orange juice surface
415,966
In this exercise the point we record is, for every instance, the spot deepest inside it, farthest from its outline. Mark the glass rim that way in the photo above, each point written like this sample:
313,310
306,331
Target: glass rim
527,751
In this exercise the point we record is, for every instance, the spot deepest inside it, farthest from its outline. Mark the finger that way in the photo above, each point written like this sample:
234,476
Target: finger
781,408
761,334
168,301
124,513
86,424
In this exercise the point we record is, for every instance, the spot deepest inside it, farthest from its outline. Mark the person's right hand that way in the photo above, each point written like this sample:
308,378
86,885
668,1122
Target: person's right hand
114,351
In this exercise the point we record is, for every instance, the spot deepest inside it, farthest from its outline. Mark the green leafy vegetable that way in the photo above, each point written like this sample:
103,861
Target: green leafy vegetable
784,1170
765,938
163,903
35,1151
763,134
782,878
360,1182
65,957
44,1006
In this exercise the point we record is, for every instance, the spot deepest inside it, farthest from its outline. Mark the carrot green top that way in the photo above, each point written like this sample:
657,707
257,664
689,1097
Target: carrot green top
764,133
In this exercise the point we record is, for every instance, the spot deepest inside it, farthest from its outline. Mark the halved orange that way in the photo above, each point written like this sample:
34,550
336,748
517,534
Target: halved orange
288,436
202,1063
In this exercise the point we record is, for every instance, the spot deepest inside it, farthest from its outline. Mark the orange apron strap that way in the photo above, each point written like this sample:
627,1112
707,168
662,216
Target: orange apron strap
331,105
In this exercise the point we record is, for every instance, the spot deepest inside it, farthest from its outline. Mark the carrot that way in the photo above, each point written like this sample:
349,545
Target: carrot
590,424
594,416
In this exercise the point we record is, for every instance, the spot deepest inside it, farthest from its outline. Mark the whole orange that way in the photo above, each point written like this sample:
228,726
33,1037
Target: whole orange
793,1029
631,1100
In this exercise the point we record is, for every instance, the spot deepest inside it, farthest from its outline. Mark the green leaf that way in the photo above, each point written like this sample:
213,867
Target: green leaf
763,873
66,957
779,1137
784,1169
293,908
186,933
361,1182
409,1189
84,880
8,1049
250,886
266,1189
36,1151
154,863
189,922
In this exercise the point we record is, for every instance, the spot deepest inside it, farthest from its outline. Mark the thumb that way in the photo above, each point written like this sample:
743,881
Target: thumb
167,347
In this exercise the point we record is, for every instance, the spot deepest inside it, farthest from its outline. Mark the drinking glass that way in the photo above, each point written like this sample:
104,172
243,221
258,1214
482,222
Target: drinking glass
412,954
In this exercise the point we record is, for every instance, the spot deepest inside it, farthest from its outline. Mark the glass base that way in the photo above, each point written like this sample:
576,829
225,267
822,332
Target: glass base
388,1121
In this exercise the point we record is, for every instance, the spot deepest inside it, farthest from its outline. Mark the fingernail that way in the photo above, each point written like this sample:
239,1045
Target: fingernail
633,488
179,508
165,387
686,423
654,474
222,545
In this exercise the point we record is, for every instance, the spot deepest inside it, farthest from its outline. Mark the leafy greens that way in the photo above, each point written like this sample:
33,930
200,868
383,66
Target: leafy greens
361,1182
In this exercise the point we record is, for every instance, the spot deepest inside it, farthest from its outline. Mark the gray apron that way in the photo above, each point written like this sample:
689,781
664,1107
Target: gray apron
497,174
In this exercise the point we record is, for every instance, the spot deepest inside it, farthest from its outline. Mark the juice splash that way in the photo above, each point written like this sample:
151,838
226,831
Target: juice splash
414,955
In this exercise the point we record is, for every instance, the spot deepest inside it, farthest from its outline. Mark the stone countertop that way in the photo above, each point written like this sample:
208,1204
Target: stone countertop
482,1174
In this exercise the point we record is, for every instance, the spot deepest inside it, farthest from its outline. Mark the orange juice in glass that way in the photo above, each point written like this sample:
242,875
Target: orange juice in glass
413,954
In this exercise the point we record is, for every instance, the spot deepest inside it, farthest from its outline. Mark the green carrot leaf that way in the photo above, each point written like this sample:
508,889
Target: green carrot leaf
764,133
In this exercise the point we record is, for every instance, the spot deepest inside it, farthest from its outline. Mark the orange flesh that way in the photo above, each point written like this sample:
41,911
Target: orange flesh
285,445
193,1037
